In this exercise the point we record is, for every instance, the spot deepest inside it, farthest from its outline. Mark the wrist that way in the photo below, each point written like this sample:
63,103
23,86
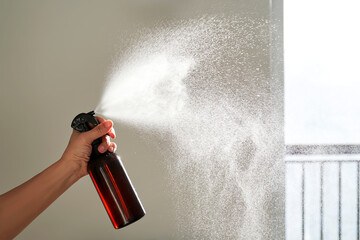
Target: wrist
75,169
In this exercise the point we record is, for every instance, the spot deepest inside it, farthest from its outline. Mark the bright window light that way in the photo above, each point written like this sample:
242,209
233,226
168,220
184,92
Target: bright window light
322,71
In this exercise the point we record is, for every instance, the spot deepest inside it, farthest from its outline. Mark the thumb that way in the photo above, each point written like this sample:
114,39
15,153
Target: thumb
98,131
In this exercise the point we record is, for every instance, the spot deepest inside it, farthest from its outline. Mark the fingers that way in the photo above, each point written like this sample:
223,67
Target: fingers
104,131
112,147
98,131
107,145
111,132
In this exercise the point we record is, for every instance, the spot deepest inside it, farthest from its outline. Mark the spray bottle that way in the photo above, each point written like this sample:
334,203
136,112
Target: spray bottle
110,179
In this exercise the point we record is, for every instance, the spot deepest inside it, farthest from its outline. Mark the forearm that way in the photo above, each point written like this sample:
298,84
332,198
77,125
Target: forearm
24,203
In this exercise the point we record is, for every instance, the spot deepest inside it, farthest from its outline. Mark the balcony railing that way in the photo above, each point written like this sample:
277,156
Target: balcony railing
322,191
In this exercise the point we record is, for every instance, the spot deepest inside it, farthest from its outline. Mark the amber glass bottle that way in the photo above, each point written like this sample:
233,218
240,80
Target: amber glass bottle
115,189
111,180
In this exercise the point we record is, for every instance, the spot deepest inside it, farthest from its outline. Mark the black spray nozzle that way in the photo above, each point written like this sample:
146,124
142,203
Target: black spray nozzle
81,121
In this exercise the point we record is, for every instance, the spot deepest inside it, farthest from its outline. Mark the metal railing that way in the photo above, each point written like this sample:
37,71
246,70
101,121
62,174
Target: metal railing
322,187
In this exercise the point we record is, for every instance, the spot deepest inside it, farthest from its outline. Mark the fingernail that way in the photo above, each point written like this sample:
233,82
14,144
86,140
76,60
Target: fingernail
111,149
113,133
102,149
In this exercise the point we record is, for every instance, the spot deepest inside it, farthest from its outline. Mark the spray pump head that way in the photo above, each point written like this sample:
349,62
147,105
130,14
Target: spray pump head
82,123
82,120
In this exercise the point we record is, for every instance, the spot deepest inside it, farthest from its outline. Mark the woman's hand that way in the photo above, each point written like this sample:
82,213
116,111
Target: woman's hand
21,205
79,148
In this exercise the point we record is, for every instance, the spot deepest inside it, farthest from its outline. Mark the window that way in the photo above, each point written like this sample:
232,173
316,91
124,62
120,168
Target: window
322,118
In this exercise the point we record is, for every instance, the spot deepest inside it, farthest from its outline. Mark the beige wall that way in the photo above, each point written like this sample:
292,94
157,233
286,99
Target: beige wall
54,58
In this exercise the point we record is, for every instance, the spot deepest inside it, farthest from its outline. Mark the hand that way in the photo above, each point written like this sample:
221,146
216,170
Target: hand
79,148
